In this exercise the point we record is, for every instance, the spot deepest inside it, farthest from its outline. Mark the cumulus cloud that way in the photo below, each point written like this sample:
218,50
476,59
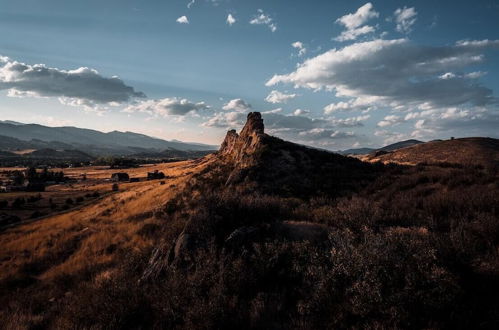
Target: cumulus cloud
301,48
238,105
299,112
350,121
230,19
405,19
83,85
354,33
263,19
278,97
354,23
364,104
167,107
226,120
390,121
324,133
396,73
183,20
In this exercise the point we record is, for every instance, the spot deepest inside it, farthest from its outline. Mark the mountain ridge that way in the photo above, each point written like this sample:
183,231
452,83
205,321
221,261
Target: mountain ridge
95,142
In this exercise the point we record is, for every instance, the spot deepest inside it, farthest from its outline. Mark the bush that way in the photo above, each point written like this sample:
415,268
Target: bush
18,202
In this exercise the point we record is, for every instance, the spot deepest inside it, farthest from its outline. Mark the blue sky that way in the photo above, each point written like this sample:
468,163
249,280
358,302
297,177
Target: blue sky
333,74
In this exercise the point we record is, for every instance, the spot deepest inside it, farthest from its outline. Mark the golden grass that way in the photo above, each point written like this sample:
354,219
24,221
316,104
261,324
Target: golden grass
92,235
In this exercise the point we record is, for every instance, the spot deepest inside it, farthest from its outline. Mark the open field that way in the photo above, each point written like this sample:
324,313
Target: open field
97,231
82,192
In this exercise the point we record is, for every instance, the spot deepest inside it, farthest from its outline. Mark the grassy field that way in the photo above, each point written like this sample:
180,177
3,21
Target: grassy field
88,238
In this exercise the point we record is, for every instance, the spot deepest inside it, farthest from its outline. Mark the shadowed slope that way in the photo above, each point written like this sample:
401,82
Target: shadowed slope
465,151
272,165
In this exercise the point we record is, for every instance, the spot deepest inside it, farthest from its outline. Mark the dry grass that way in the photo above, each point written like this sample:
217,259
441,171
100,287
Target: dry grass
95,233
465,151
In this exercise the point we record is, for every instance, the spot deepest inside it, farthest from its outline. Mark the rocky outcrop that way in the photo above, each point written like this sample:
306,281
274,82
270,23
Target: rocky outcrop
239,147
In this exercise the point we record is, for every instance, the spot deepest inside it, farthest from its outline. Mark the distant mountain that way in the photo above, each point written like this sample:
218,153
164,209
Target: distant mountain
390,147
465,151
11,122
94,142
400,145
13,144
358,151
59,155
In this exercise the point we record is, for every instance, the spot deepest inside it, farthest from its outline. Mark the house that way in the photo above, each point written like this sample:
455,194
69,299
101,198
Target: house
120,176
155,175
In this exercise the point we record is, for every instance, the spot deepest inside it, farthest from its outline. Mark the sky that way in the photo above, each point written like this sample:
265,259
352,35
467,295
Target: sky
330,74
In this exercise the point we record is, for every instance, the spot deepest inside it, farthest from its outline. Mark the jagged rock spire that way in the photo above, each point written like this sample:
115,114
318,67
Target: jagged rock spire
254,124
236,146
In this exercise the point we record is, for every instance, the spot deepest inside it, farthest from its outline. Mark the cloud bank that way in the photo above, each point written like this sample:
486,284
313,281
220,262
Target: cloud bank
167,107
83,85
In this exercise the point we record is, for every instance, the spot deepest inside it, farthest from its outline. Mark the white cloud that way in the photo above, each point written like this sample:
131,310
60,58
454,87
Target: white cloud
263,19
390,137
83,85
167,107
376,70
238,105
405,19
390,120
350,122
230,19
226,120
183,20
191,3
300,112
278,97
302,50
354,23
354,33
324,133
277,110
364,104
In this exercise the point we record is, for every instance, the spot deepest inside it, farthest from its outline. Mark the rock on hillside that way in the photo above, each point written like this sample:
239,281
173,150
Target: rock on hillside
271,165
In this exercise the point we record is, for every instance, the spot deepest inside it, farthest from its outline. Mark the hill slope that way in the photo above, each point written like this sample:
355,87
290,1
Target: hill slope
271,165
265,234
464,151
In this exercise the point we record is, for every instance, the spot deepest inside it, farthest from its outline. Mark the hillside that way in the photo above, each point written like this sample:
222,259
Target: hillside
390,147
263,234
271,165
464,151
92,141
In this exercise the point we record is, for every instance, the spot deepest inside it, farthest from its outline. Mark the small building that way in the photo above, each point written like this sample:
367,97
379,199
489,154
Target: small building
120,176
155,175
35,186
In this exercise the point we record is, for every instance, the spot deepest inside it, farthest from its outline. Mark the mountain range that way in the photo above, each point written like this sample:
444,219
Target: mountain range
18,136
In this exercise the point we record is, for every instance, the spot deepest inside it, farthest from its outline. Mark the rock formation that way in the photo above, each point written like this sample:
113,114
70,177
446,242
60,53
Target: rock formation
239,147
